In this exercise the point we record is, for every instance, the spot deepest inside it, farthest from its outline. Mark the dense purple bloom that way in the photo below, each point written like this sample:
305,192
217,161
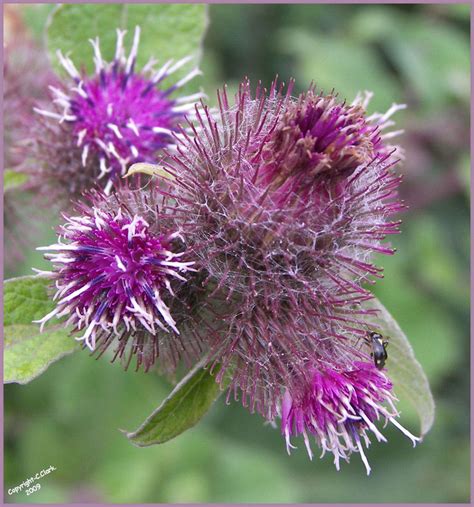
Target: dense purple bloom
318,138
338,408
105,122
116,267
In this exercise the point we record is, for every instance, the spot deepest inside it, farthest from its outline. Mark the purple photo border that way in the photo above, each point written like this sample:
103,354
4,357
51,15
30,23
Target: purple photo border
249,2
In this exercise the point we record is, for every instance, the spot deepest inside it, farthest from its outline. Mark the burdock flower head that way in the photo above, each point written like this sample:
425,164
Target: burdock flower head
101,124
117,269
285,200
338,408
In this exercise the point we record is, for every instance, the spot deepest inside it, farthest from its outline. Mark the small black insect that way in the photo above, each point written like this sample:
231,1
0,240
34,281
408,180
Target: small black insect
379,348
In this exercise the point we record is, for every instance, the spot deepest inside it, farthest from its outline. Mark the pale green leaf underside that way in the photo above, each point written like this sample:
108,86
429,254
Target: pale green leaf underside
12,179
168,31
409,379
27,352
189,401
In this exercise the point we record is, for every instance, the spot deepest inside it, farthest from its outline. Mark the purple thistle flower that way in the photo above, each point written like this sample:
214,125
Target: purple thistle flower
116,270
284,202
339,408
318,136
107,121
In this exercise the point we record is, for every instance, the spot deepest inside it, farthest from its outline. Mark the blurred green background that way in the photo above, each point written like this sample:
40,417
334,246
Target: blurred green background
70,416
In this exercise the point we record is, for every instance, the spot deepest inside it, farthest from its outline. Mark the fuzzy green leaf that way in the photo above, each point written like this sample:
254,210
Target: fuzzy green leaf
12,179
409,379
189,401
167,31
26,299
27,352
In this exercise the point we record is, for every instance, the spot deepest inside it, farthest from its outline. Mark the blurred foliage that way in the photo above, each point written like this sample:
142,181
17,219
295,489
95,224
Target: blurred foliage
69,417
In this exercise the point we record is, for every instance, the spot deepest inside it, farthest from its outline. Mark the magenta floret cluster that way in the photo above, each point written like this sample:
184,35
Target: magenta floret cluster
338,409
102,123
115,267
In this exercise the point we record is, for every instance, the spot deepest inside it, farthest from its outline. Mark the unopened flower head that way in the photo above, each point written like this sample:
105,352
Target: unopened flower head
111,119
285,200
26,75
339,409
116,270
